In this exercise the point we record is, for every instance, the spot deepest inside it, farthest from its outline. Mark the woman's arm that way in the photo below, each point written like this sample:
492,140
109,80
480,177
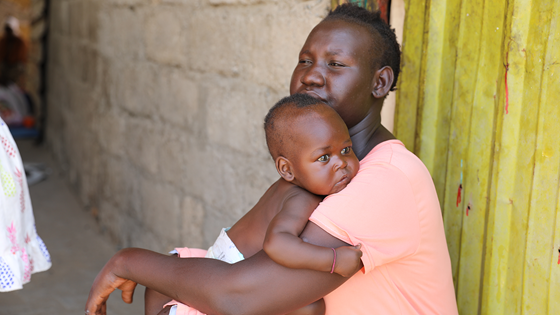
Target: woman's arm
284,247
256,285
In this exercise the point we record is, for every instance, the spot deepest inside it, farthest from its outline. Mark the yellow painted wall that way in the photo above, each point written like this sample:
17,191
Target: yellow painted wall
479,102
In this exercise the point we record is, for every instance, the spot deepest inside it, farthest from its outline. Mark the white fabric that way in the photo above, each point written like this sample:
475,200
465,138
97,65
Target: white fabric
224,249
22,252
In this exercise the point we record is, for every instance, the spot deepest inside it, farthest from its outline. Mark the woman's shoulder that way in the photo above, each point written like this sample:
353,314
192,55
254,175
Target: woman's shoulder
392,152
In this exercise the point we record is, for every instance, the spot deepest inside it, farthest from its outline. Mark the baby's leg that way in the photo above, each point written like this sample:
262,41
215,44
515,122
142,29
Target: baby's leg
154,302
316,308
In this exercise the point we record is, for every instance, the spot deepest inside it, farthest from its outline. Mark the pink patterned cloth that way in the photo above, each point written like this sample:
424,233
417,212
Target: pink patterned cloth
22,252
183,309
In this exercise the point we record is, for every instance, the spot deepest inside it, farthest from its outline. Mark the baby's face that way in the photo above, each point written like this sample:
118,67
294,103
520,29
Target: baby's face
323,162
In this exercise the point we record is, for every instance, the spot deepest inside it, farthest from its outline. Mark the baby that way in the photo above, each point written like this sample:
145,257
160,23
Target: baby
312,151
311,148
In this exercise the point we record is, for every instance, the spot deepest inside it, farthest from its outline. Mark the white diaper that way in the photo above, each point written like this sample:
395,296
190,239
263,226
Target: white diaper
224,249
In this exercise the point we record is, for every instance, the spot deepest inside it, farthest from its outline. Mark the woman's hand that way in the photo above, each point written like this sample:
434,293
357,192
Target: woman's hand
104,284
348,260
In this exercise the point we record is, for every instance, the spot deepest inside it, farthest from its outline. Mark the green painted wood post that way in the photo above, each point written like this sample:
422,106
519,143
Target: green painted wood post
478,102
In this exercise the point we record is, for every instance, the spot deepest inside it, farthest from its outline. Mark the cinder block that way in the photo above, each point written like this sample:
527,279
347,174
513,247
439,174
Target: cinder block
177,101
165,37
132,88
230,2
122,3
111,130
257,42
233,182
59,20
120,33
191,223
160,205
92,7
197,165
141,145
141,236
77,18
172,160
235,111
214,221
191,3
113,186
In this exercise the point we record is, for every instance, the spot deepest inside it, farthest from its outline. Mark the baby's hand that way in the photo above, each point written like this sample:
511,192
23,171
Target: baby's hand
348,260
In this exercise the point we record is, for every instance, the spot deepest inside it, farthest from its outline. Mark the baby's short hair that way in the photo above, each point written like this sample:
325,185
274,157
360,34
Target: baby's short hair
386,47
283,114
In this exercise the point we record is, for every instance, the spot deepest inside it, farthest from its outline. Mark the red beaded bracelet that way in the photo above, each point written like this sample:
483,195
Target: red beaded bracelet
334,259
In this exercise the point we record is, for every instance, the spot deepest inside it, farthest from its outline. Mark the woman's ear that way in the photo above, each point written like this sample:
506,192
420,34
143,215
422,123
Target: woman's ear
284,168
382,82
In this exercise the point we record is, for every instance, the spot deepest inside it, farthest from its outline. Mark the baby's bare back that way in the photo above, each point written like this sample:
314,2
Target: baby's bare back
248,233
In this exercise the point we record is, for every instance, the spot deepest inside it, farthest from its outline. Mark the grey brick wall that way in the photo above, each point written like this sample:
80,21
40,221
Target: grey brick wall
156,108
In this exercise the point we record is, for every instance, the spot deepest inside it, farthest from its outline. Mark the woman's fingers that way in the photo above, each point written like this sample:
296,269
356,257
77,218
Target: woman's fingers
127,290
103,285
96,306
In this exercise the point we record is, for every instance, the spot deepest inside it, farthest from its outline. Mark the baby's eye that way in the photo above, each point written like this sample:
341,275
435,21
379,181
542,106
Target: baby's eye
336,64
323,158
305,61
346,150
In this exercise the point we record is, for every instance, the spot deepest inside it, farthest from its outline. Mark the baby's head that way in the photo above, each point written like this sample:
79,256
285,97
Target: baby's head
310,144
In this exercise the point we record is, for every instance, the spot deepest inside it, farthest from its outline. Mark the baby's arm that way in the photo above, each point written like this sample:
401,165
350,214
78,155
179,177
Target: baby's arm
283,245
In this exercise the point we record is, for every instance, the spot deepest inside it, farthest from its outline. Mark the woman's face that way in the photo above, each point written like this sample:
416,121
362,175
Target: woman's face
335,66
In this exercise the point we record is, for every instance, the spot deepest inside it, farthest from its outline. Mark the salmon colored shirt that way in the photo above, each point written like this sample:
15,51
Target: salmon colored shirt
392,209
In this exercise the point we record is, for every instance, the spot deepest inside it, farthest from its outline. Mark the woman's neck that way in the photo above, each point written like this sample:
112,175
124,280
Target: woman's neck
368,133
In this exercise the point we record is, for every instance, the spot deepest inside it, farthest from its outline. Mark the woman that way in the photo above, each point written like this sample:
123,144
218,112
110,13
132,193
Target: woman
391,206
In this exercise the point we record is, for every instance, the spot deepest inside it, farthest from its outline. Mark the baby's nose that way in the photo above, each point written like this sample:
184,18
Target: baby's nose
340,163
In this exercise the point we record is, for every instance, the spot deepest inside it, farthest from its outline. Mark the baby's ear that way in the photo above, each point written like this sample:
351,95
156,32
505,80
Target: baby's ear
284,168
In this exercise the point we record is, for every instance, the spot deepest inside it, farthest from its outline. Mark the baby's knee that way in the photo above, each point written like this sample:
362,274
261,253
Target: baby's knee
154,301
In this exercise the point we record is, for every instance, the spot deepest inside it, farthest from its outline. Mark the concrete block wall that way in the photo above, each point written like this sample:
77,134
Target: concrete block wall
155,108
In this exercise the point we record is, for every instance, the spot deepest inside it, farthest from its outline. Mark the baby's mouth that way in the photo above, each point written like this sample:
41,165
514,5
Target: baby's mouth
341,184
343,181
